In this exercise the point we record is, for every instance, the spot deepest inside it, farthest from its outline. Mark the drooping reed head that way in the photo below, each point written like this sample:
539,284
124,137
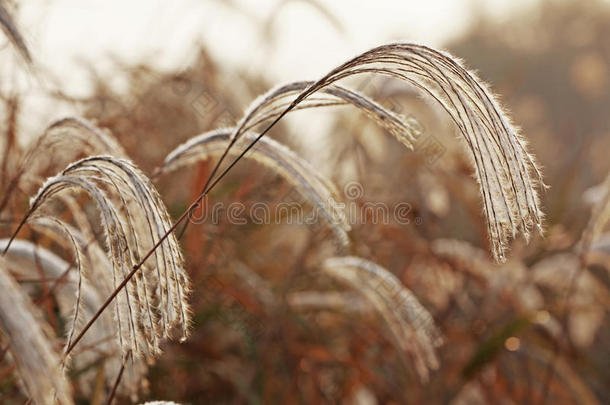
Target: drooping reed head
507,174
411,325
312,185
134,219
78,297
31,344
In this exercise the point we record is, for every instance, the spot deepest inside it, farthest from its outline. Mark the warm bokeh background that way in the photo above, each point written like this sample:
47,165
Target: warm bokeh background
157,74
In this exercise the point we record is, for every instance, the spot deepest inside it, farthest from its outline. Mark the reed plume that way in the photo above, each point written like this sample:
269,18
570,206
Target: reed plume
80,135
75,138
26,260
62,142
134,217
31,345
507,174
312,185
58,226
412,326
275,101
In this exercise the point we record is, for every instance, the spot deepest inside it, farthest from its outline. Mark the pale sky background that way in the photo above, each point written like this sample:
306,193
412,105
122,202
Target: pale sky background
63,34
68,37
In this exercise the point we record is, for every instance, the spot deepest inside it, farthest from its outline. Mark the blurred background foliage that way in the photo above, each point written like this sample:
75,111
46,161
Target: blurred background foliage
254,343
